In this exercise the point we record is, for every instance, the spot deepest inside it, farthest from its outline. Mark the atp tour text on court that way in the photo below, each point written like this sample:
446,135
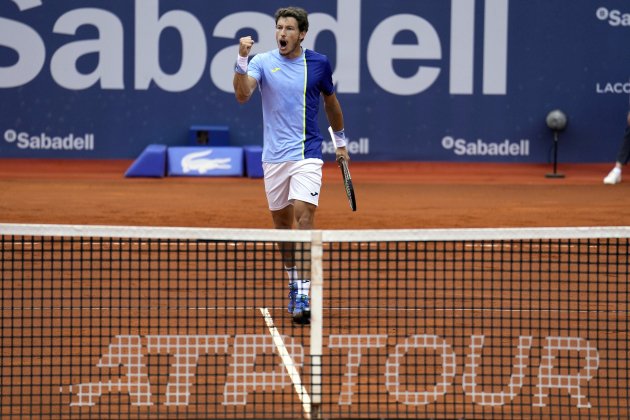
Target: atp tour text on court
128,355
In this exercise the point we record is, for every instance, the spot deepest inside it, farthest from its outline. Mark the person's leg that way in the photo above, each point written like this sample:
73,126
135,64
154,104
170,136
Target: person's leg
277,187
277,181
283,219
624,151
623,156
304,214
305,219
299,304
306,181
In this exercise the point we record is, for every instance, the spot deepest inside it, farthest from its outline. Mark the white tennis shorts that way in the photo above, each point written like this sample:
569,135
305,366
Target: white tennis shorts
289,181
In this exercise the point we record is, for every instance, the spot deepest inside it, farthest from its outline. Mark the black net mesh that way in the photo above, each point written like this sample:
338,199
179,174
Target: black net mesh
115,327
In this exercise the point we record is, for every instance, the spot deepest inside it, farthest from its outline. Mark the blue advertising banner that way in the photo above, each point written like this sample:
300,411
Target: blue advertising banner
426,80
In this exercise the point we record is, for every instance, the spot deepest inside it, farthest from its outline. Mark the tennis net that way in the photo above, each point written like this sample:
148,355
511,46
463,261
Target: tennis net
132,322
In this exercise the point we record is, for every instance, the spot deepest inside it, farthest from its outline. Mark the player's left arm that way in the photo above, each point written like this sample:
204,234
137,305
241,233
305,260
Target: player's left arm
335,119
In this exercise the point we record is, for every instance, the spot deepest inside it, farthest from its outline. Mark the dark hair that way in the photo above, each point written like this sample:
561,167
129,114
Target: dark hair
295,12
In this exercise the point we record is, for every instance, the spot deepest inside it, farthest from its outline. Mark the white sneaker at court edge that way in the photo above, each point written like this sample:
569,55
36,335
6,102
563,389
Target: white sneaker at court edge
613,177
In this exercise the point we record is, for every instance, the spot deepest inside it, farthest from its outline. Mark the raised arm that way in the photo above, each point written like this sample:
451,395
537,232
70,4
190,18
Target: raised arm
244,84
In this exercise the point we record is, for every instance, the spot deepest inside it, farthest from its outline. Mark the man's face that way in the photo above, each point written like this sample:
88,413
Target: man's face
288,37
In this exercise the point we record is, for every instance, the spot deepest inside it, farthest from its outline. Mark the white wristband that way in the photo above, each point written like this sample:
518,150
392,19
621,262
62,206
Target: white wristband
241,65
338,137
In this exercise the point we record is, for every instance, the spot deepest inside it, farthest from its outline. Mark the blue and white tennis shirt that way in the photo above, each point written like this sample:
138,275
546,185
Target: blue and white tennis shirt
290,90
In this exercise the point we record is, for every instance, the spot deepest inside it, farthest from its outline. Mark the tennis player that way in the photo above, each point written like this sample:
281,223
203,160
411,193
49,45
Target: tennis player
291,80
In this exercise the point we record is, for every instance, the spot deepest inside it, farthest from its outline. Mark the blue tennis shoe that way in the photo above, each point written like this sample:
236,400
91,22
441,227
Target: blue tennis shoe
293,292
302,309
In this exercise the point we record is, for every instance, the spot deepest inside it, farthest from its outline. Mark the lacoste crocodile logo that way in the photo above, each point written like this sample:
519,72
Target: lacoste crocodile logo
199,162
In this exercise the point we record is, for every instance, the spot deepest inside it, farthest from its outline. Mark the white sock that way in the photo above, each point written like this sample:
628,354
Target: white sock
303,287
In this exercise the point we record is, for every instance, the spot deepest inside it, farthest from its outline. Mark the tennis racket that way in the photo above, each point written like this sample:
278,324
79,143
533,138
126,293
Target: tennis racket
347,183
345,173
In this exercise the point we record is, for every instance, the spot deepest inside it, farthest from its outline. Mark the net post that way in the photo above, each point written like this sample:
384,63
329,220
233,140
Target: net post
317,286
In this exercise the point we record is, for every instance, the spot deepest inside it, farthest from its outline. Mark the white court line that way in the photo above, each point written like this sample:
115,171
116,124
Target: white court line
288,363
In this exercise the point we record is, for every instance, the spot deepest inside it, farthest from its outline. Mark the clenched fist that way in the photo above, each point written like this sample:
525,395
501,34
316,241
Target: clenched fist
245,46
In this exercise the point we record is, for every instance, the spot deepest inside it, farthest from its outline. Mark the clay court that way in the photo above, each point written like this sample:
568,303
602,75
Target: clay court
389,196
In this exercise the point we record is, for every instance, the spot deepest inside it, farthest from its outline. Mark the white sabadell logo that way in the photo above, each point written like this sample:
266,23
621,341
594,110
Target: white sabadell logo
44,141
197,161
462,147
613,17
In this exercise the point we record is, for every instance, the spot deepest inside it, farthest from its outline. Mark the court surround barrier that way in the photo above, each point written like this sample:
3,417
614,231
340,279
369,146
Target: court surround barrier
157,161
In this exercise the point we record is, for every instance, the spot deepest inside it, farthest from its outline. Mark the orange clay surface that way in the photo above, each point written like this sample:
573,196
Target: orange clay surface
389,195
